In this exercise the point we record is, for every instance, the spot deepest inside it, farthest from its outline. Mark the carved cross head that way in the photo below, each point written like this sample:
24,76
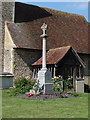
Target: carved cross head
44,27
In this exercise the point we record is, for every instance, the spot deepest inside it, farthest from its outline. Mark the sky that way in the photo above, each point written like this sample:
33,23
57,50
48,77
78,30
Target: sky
72,7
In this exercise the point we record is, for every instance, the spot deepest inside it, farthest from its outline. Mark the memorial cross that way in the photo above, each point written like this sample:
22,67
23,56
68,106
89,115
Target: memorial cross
44,35
44,75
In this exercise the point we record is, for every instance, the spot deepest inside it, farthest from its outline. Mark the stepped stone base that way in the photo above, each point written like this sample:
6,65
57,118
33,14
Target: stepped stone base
45,79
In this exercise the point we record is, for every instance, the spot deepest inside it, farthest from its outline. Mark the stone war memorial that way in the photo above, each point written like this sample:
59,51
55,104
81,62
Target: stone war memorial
43,62
66,47
44,75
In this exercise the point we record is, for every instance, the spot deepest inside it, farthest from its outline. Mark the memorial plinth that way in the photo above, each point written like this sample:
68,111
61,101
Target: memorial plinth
44,75
45,80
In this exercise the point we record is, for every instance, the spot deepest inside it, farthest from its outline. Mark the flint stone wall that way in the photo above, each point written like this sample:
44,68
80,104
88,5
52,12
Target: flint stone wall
86,59
0,36
23,58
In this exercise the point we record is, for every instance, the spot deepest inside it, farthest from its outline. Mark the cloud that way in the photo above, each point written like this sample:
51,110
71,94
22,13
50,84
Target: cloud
79,5
82,6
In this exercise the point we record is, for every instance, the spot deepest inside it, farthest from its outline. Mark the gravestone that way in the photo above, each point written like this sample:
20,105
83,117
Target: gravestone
6,80
44,75
79,85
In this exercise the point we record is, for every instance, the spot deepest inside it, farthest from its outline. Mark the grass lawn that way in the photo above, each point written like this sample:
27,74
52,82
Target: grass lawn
13,107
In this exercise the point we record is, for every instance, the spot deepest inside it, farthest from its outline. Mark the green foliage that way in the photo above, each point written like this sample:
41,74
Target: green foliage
22,85
22,81
57,87
15,91
68,83
72,93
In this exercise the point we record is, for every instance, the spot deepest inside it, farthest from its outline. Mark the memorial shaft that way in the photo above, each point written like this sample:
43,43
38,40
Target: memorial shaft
44,35
44,53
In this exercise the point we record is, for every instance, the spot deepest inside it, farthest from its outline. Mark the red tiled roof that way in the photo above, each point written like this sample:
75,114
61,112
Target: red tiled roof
64,29
54,55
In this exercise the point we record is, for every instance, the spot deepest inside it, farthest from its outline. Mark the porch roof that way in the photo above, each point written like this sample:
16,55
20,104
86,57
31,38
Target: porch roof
56,55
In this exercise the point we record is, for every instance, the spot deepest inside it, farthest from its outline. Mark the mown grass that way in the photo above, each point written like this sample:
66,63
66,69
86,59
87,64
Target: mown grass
13,107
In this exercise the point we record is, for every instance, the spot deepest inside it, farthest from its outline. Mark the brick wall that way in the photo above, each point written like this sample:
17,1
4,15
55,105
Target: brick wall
23,58
6,14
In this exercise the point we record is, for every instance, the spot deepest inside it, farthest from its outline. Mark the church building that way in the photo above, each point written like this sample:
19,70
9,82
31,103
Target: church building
67,42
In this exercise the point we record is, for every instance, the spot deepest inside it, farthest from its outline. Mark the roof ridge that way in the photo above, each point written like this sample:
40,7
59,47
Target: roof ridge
52,9
61,47
63,12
